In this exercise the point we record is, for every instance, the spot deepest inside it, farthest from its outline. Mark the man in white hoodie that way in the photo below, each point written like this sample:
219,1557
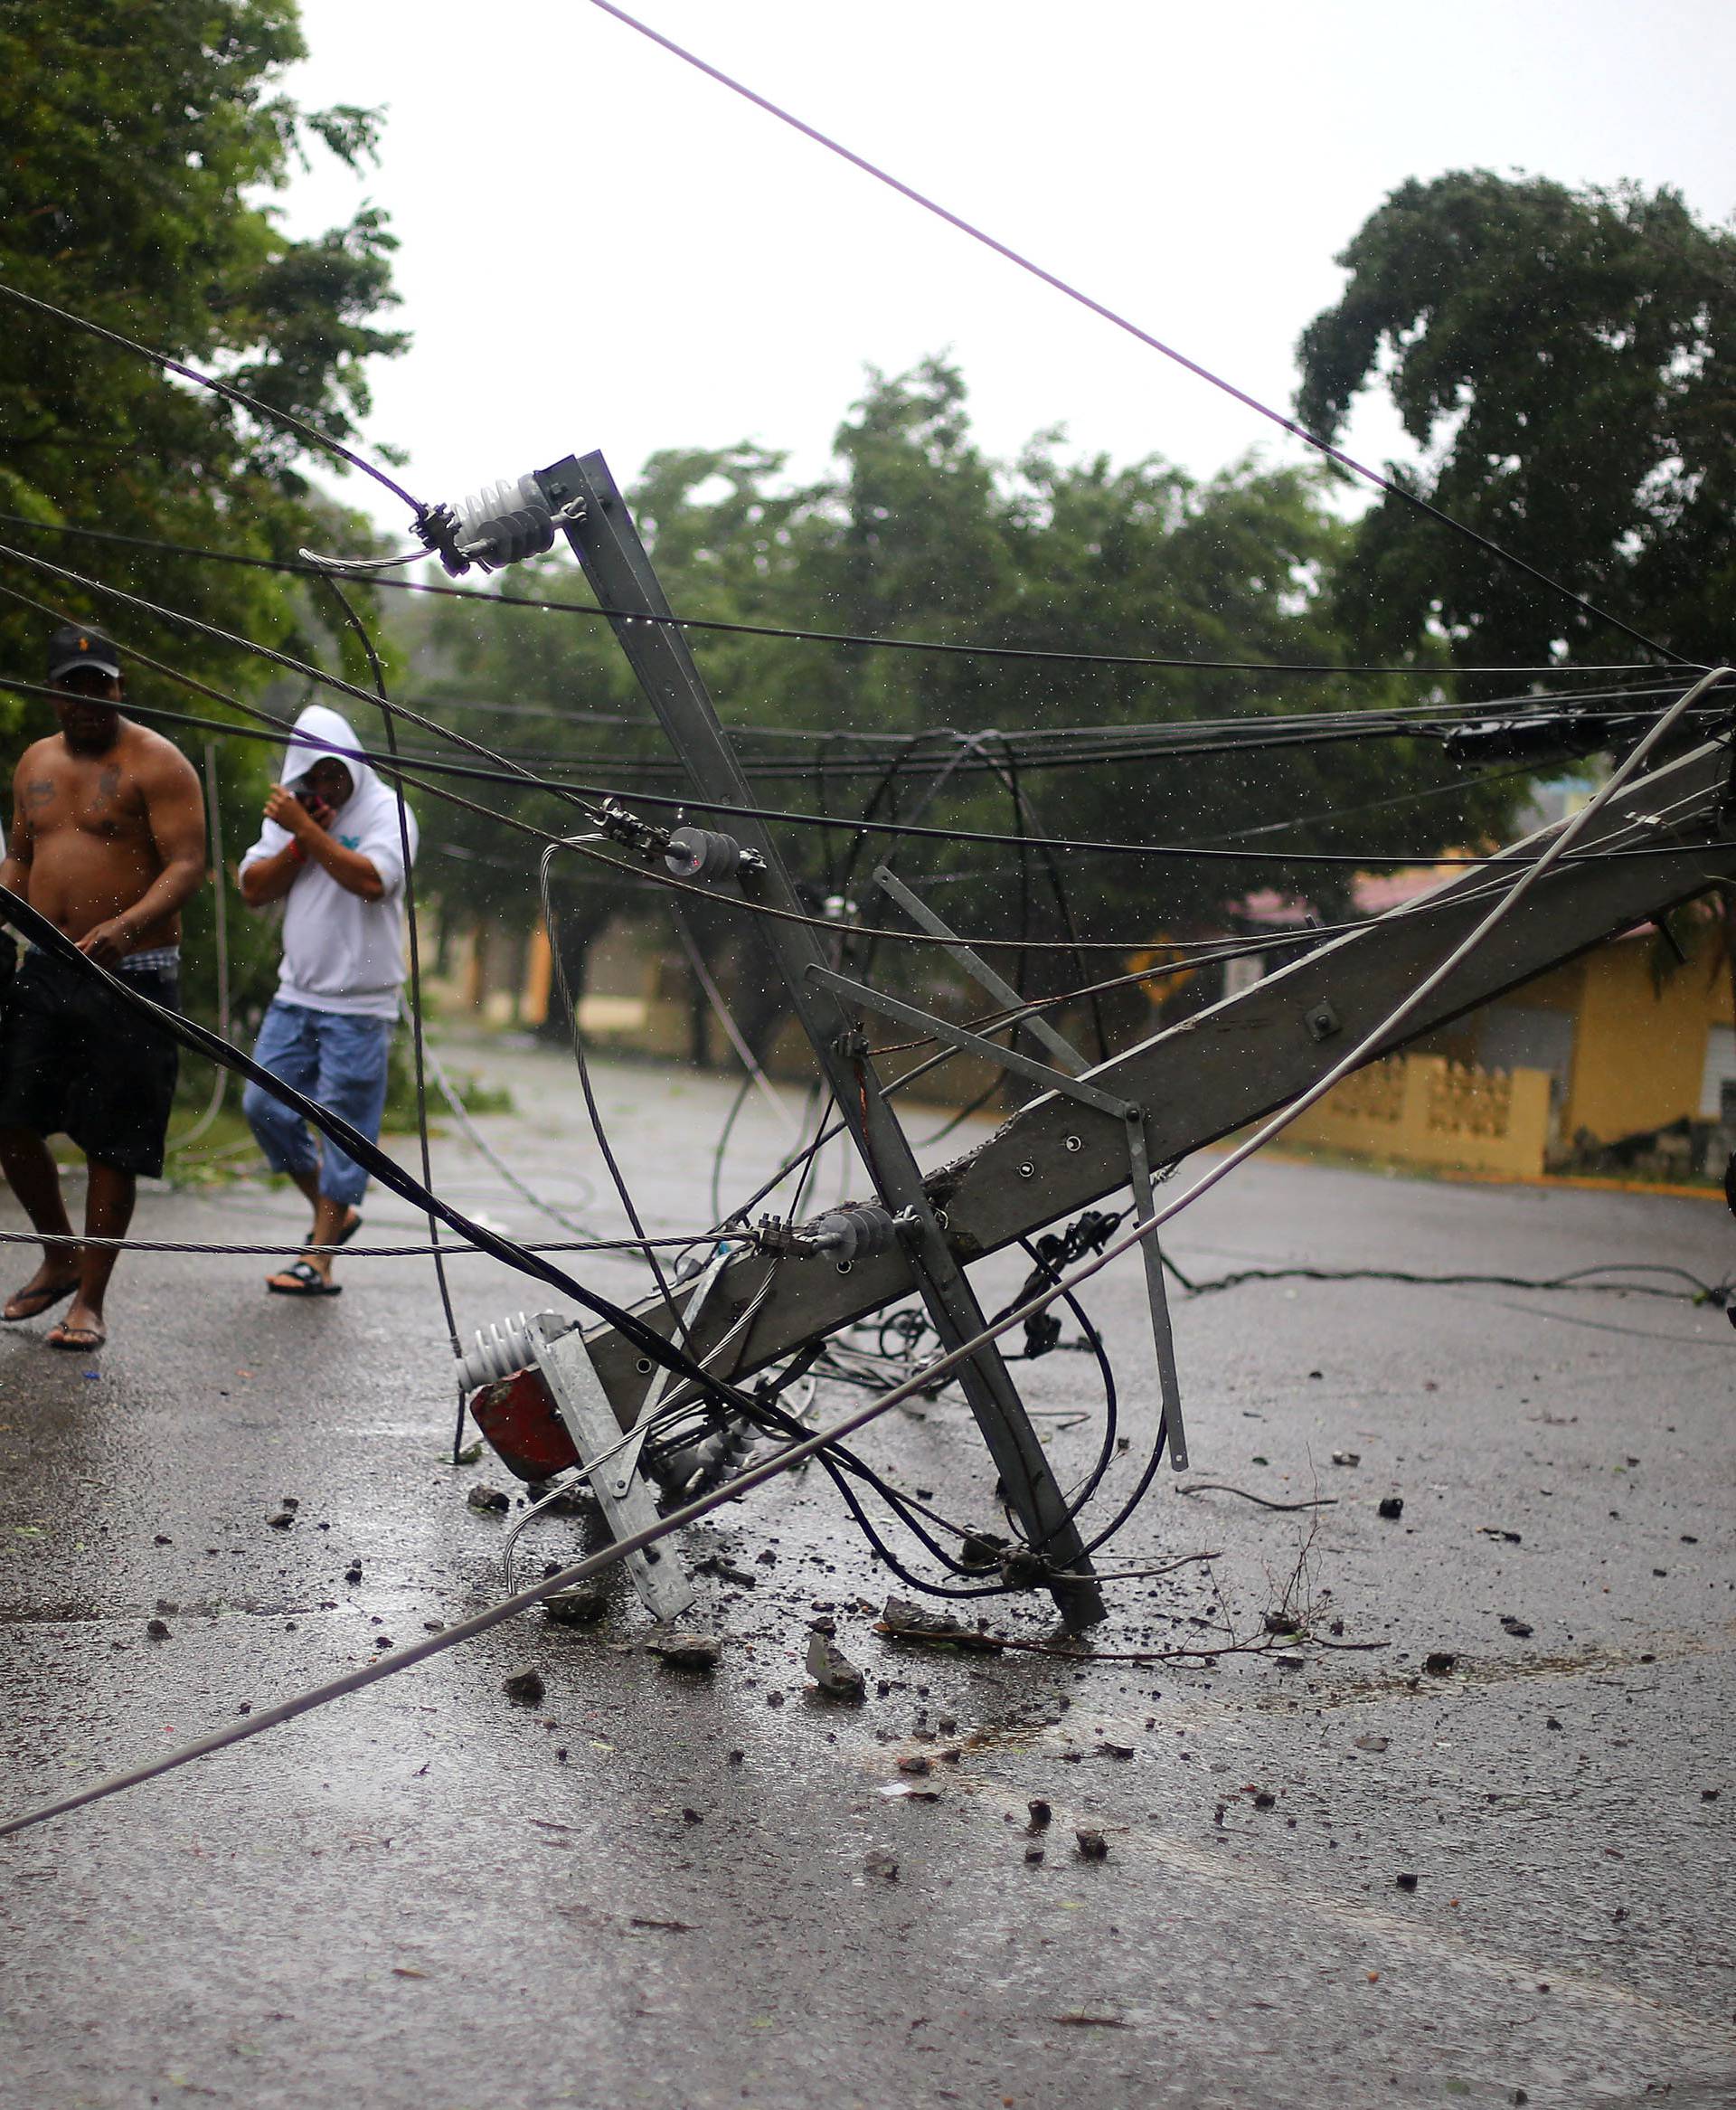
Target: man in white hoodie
332,851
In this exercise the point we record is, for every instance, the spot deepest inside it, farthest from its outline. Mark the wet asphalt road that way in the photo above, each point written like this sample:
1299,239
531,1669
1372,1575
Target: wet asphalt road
666,1889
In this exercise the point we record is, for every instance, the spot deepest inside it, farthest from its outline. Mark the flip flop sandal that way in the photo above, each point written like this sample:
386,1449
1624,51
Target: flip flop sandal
346,1233
40,1301
76,1341
307,1278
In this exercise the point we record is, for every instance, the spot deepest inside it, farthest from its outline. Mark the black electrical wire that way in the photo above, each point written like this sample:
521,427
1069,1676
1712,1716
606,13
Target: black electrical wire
360,631
1219,851
570,1011
1720,1294
223,388
624,875
570,793
50,938
582,795
1336,455
1045,1271
574,793
1169,662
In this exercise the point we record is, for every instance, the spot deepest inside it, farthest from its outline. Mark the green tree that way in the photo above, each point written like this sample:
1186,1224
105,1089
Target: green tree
1566,362
919,534
143,143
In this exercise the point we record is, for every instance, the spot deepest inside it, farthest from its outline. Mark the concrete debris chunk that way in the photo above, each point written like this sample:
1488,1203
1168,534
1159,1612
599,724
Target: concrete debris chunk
1092,1846
906,1621
832,1670
1392,1508
525,1688
158,1629
1440,1662
583,1605
1346,1457
686,1652
490,1498
1371,1742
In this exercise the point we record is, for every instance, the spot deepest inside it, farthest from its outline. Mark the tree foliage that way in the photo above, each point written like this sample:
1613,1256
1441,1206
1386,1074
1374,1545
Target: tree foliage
143,144
1566,360
919,534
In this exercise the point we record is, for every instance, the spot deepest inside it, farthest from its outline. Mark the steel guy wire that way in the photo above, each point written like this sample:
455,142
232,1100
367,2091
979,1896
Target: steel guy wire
795,1452
1390,486
1161,662
268,411
583,795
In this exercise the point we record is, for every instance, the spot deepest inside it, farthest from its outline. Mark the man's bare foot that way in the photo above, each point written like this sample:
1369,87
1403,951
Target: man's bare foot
41,1293
80,1332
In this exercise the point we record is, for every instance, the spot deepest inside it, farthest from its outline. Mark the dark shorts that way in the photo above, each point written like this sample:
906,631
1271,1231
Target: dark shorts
80,1061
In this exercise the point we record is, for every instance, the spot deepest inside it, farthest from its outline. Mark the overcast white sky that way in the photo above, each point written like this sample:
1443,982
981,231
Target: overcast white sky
603,249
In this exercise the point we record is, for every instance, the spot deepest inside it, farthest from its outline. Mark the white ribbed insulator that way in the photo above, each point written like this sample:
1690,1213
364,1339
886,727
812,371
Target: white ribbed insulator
496,1352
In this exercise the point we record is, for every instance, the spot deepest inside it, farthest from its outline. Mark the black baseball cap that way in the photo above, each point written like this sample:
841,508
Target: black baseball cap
74,645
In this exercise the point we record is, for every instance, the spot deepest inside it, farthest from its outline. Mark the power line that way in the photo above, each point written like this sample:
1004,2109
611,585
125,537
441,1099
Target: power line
1109,314
270,412
871,639
837,823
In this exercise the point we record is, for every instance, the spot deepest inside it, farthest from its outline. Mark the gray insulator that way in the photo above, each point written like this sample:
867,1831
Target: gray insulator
701,853
855,1234
503,524
498,1351
698,1466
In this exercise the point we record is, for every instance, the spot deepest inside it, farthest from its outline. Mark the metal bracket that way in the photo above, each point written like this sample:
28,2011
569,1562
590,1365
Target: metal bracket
1163,1336
969,1043
619,570
1125,1111
979,968
623,1496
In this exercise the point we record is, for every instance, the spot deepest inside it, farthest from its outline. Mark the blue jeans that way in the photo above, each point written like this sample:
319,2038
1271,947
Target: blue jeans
340,1061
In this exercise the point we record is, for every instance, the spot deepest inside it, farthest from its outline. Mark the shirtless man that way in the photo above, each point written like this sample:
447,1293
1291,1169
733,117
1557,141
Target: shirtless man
109,842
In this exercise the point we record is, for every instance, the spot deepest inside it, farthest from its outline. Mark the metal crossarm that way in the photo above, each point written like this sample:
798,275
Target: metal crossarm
979,968
1127,1113
1251,1054
599,528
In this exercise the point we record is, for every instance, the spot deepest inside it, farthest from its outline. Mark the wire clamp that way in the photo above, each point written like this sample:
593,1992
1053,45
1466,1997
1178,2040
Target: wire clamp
436,529
622,825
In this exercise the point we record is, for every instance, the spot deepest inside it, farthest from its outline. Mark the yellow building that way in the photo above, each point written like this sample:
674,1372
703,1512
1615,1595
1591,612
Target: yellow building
1579,1069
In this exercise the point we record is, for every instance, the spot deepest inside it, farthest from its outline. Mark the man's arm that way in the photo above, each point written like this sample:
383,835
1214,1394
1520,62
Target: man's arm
174,811
270,876
14,868
353,872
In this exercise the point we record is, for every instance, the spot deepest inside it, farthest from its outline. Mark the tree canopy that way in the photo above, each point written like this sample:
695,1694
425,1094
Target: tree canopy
144,141
1566,360
918,533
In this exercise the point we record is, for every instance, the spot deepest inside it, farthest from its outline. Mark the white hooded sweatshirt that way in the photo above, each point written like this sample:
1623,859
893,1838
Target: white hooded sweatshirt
341,953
